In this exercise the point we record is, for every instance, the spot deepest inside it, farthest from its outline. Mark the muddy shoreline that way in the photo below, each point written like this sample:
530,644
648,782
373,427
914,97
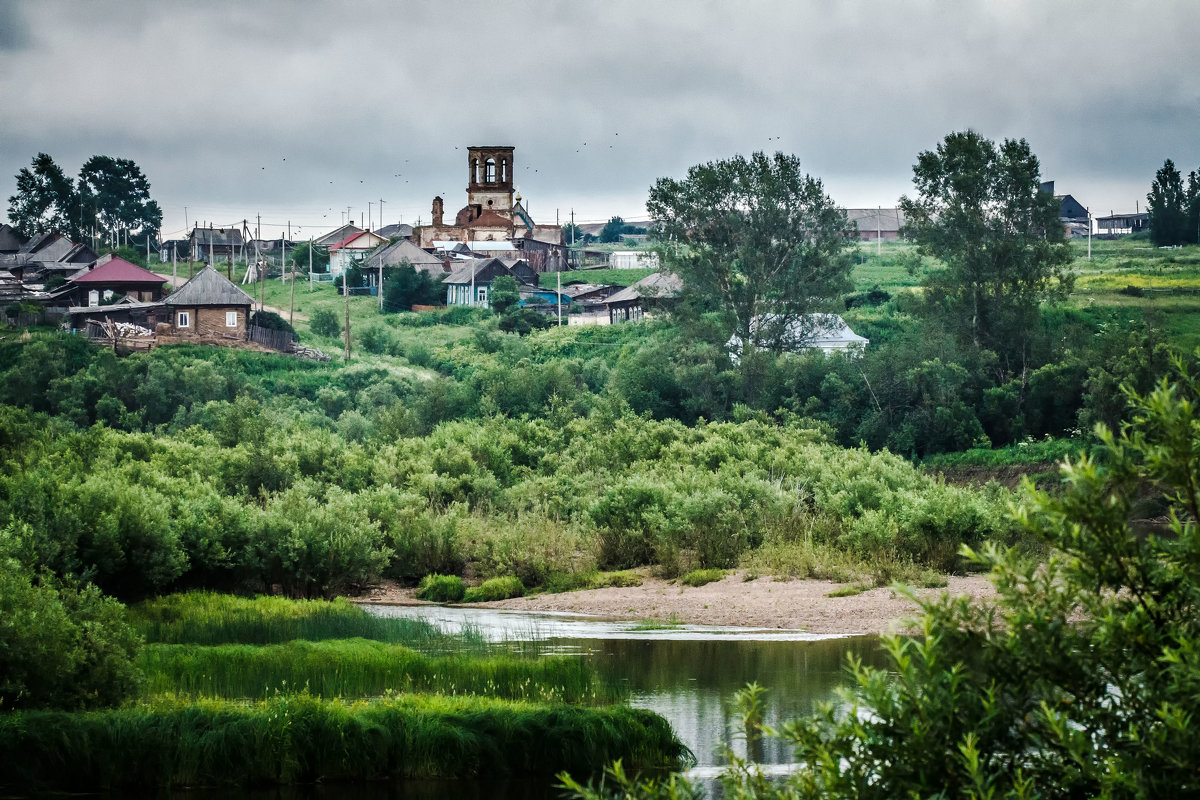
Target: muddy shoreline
760,603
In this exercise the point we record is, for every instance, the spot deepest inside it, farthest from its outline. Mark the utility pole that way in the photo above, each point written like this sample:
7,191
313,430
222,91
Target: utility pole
380,287
310,283
558,275
258,227
878,230
292,297
370,208
1089,213
381,212
174,270
185,219
346,291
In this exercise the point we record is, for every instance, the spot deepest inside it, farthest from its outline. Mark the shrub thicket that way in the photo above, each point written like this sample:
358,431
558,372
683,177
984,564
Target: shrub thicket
61,648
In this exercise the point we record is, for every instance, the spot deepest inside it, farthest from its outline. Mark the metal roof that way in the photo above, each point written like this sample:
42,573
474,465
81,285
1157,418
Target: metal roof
209,288
657,284
117,270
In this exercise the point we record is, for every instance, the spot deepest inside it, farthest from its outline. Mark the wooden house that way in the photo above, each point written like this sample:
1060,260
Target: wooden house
476,274
113,277
404,251
351,250
209,306
210,244
632,302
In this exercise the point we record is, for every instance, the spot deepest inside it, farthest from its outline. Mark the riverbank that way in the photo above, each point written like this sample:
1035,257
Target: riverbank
759,603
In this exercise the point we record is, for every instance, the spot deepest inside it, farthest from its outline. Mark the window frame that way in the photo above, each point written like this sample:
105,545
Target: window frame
231,315
183,319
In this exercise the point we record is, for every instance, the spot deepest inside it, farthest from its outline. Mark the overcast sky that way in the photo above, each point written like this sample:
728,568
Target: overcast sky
296,110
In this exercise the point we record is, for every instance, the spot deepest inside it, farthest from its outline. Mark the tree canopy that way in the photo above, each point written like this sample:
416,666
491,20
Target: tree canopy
117,193
1169,207
112,195
756,238
45,199
980,211
405,286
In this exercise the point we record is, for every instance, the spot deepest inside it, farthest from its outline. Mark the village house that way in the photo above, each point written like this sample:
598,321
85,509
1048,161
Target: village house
209,306
354,248
633,302
872,224
212,244
111,277
476,275
1122,224
336,235
404,251
10,239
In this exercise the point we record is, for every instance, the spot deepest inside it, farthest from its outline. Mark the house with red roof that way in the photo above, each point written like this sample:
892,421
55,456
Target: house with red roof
111,278
353,247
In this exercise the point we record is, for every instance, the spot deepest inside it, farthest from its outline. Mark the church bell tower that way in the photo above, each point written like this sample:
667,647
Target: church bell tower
490,179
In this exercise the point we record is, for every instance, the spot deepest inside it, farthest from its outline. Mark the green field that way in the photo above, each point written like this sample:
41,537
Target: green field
616,277
1162,285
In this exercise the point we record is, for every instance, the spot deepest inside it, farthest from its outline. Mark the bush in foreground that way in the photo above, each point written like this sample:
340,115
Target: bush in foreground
61,648
441,588
1082,677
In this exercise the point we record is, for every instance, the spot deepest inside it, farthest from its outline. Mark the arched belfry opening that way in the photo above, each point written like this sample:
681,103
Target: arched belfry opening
490,186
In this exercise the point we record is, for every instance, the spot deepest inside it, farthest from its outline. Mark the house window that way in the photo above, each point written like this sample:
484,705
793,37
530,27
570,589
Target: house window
185,320
481,295
230,319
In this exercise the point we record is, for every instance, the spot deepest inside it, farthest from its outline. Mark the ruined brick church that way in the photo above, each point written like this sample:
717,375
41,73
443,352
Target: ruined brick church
493,212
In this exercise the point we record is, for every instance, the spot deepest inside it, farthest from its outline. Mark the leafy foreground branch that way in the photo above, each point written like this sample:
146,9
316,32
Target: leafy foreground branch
1082,678
301,739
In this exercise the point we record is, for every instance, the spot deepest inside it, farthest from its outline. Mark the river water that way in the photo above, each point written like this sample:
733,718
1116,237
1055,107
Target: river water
688,674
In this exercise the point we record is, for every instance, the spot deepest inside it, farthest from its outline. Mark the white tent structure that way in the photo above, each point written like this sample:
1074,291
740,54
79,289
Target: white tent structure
826,332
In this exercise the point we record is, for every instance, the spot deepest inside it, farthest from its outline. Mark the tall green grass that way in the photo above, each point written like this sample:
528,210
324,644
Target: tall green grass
301,739
361,668
210,618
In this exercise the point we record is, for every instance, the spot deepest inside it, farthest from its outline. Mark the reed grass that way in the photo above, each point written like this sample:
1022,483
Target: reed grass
356,668
501,588
209,618
301,739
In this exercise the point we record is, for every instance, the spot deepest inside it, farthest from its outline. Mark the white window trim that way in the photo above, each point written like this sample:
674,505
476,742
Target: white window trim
183,320
231,320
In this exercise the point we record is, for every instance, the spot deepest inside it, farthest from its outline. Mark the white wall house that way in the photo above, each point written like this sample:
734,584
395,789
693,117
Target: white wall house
354,247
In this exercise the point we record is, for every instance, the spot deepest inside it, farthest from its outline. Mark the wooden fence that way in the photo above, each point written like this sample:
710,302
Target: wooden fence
269,337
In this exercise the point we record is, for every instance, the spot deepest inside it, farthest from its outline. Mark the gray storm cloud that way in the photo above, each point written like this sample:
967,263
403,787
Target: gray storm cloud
297,109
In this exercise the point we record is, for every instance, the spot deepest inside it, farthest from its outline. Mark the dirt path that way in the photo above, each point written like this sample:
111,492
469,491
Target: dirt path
760,603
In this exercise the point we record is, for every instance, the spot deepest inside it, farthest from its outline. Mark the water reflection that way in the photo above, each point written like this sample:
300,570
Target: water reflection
688,674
